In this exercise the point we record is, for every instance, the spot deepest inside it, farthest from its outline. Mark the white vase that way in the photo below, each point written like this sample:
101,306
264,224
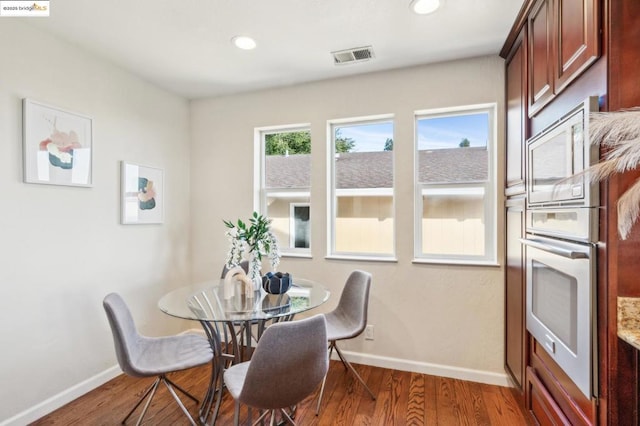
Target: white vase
254,272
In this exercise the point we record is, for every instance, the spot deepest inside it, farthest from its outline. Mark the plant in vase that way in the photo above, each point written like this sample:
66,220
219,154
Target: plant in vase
256,236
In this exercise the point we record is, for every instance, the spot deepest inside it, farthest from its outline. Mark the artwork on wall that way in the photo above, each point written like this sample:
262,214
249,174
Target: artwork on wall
142,194
57,145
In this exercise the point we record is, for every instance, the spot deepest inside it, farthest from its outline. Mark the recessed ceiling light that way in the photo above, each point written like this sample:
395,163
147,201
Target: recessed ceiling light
243,42
424,7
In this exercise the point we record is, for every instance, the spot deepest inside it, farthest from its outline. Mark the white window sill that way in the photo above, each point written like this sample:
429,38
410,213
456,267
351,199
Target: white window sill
363,258
461,262
298,255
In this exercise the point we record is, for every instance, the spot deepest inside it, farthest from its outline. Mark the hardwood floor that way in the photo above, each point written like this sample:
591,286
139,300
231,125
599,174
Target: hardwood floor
403,398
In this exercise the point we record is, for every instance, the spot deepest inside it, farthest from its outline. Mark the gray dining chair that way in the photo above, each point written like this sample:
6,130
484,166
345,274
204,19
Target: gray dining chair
141,356
288,365
348,320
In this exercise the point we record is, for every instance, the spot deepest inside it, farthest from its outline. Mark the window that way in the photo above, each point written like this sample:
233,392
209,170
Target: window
300,228
455,180
285,184
361,207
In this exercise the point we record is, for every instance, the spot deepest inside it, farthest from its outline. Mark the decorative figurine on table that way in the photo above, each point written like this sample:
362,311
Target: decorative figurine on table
234,275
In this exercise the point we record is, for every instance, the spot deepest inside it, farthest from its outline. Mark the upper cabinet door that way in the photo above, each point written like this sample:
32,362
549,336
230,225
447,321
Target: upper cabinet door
541,53
516,115
578,45
564,40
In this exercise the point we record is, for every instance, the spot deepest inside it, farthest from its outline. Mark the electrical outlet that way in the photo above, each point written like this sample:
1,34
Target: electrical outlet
368,332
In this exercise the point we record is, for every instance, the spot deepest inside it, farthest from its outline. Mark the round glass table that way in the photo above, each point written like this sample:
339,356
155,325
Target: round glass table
234,321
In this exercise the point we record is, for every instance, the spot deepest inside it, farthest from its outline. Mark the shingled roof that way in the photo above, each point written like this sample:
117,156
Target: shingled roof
375,169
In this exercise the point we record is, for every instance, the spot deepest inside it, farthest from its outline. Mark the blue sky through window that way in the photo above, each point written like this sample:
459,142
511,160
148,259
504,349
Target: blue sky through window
368,137
449,131
433,132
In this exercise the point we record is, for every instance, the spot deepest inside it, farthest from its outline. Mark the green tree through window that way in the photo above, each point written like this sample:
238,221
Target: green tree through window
288,143
344,144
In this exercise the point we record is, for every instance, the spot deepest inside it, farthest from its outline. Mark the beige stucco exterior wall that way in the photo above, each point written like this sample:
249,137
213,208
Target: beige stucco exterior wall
446,319
364,225
279,211
453,226
450,225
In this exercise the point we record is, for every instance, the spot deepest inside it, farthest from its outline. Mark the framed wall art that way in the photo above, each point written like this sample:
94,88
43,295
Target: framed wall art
142,194
57,145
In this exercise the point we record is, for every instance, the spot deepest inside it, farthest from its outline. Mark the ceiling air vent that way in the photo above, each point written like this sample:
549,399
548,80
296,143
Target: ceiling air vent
357,54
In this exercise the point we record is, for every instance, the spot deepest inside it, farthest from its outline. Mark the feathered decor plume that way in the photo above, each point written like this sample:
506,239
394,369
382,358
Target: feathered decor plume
620,132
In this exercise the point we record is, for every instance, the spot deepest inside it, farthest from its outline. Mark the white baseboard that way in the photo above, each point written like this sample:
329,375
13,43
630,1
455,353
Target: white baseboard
51,404
478,376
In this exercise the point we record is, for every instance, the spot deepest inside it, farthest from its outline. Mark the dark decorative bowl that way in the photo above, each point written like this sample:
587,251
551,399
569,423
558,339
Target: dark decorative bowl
277,283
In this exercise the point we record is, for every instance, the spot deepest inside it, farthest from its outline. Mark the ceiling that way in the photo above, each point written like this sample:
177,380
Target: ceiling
184,46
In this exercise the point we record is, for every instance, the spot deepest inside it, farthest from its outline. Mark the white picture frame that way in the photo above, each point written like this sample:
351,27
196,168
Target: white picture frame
142,190
57,145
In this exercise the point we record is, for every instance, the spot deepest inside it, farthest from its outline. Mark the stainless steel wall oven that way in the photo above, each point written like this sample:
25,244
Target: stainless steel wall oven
560,245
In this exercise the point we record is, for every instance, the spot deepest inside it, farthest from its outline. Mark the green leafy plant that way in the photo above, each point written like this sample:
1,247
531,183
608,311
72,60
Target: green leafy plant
257,237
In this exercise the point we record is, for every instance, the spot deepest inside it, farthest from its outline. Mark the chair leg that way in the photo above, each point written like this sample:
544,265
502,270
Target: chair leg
151,388
146,406
287,417
353,370
236,413
332,344
184,392
324,380
175,396
261,417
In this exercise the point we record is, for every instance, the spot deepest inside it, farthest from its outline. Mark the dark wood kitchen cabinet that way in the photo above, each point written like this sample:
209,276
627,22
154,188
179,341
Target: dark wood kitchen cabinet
516,134
619,259
540,41
578,41
515,330
516,85
573,49
540,404
564,40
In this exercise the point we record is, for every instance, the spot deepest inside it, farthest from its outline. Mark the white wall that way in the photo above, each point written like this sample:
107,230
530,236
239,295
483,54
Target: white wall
439,319
62,249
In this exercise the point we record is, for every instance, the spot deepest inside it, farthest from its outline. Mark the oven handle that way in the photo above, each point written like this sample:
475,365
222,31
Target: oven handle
560,251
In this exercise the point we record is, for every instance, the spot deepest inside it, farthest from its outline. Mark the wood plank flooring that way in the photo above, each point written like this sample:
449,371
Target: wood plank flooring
402,398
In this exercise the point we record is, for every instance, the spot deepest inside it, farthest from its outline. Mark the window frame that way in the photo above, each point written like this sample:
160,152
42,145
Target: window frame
261,193
333,192
490,189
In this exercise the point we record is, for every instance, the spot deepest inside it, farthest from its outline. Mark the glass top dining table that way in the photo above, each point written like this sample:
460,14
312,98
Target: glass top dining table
206,302
235,322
